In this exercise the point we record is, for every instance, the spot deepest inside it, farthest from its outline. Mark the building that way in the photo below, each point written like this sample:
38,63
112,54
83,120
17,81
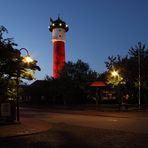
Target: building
58,29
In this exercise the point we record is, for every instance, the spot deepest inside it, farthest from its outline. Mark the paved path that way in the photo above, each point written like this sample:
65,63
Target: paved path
26,127
35,121
112,122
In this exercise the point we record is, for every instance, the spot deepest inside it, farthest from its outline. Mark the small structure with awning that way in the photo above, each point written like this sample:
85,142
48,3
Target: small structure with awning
98,84
107,92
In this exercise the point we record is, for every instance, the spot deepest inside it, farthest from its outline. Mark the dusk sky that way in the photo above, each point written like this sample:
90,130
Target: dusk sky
97,28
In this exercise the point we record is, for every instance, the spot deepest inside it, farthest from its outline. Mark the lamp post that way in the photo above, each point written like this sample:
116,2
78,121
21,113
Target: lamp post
139,79
116,76
27,59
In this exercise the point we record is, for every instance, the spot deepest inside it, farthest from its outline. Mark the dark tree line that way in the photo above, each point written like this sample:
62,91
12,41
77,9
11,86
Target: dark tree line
70,88
79,71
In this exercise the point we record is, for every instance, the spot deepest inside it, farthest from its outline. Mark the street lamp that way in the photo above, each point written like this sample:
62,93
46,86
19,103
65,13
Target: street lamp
139,79
115,73
116,81
27,59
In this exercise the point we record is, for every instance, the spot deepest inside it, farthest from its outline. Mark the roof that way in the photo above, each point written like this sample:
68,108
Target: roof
38,83
58,24
97,84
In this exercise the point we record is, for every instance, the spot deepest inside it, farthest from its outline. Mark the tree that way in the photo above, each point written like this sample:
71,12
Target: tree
139,56
128,68
10,64
79,71
75,78
70,87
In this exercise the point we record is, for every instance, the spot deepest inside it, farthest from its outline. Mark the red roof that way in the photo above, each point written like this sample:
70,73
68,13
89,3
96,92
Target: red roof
97,84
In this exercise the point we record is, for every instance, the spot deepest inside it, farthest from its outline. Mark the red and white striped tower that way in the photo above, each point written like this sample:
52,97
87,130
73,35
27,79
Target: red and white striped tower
58,29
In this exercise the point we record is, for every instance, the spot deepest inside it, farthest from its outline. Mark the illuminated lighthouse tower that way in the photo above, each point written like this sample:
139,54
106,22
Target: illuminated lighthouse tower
58,29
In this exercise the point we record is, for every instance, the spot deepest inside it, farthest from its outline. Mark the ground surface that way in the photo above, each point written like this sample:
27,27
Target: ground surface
83,129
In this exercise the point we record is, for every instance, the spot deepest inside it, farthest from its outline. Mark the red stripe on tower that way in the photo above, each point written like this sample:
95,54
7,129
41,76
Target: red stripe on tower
58,29
58,58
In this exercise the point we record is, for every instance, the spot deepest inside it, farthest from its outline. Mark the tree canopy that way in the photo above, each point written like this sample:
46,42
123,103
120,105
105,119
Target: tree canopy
79,71
11,62
132,68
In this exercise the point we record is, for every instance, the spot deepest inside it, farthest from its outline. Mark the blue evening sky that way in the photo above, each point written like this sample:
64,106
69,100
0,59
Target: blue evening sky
97,28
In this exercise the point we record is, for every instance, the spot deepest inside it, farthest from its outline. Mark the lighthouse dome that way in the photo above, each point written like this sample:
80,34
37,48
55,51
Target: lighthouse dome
58,24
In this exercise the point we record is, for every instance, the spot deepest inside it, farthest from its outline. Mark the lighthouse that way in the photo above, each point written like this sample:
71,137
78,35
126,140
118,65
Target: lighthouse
58,28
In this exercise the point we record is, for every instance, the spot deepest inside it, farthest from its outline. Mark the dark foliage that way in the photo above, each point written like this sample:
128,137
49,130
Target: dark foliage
11,65
133,69
68,89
